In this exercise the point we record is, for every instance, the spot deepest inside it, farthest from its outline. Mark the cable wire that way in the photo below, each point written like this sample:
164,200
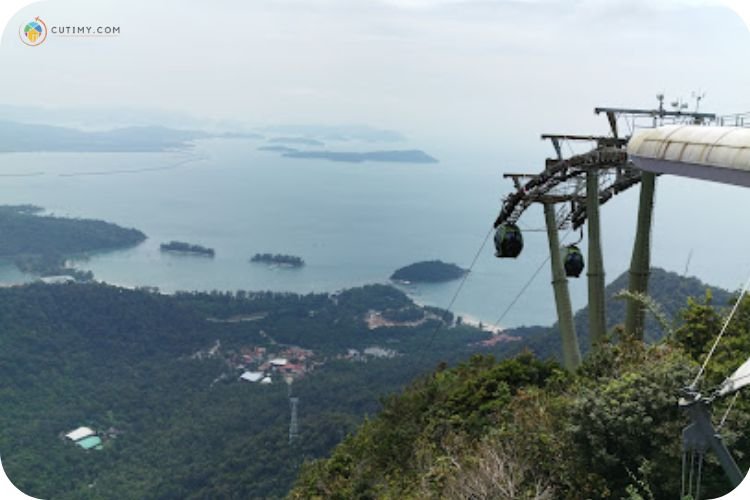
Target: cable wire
694,385
528,284
521,292
456,294
726,413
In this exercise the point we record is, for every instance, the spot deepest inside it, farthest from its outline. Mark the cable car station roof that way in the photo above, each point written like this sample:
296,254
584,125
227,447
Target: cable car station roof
674,142
719,154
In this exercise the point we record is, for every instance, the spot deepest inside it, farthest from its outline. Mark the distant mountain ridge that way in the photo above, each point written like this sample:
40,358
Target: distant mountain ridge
669,291
16,137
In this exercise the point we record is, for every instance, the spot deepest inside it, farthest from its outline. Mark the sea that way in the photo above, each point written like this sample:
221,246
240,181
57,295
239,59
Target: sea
355,223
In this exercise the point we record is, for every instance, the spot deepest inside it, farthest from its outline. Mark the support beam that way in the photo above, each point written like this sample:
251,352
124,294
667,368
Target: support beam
571,351
640,263
661,112
701,435
612,118
597,313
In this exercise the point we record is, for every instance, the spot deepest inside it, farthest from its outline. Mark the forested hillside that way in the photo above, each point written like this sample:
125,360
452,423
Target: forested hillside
524,428
140,369
157,377
668,290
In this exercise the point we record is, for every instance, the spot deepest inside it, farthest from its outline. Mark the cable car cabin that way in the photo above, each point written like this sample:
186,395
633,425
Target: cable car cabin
573,261
508,241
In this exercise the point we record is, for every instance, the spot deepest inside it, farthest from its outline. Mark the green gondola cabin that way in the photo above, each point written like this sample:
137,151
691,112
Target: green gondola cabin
573,261
508,241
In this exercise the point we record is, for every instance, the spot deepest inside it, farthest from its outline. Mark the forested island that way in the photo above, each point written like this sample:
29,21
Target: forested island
182,247
279,259
41,244
432,271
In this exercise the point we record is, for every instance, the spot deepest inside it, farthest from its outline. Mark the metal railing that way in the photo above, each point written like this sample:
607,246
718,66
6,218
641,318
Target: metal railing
735,120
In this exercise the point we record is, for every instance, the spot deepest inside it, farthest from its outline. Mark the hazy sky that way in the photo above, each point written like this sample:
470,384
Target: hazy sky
491,74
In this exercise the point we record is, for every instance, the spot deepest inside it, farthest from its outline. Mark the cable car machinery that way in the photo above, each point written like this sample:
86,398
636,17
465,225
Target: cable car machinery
579,185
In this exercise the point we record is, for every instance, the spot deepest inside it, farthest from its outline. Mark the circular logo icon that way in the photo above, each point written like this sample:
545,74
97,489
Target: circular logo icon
33,33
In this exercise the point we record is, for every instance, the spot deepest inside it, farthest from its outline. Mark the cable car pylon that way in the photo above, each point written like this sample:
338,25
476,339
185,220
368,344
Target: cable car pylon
597,312
571,350
605,171
640,263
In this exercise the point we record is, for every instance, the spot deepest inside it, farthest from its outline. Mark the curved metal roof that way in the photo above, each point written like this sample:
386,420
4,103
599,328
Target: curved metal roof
720,154
80,433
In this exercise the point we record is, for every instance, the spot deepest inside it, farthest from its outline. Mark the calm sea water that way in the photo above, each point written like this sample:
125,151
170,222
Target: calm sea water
352,223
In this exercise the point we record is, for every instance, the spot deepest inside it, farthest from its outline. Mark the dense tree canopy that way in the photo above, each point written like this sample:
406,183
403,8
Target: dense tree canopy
41,244
432,271
521,428
177,422
184,426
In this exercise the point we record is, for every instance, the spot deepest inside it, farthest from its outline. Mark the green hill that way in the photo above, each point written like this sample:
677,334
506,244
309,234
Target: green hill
140,368
524,428
668,289
158,377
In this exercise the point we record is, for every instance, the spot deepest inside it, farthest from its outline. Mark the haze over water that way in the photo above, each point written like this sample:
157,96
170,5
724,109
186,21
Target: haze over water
472,83
352,223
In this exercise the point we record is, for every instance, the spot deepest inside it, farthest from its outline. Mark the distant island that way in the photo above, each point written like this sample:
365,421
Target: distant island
390,156
278,149
280,259
433,271
297,140
182,247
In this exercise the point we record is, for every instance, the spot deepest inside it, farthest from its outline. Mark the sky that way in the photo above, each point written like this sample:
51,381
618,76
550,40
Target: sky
484,75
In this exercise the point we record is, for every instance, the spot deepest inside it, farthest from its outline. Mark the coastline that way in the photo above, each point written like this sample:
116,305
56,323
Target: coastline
466,319
475,322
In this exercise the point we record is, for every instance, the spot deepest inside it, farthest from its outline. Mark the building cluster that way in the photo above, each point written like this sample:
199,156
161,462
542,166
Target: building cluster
259,365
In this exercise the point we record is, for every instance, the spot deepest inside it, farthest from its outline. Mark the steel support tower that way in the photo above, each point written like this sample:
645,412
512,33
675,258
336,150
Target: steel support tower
293,425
